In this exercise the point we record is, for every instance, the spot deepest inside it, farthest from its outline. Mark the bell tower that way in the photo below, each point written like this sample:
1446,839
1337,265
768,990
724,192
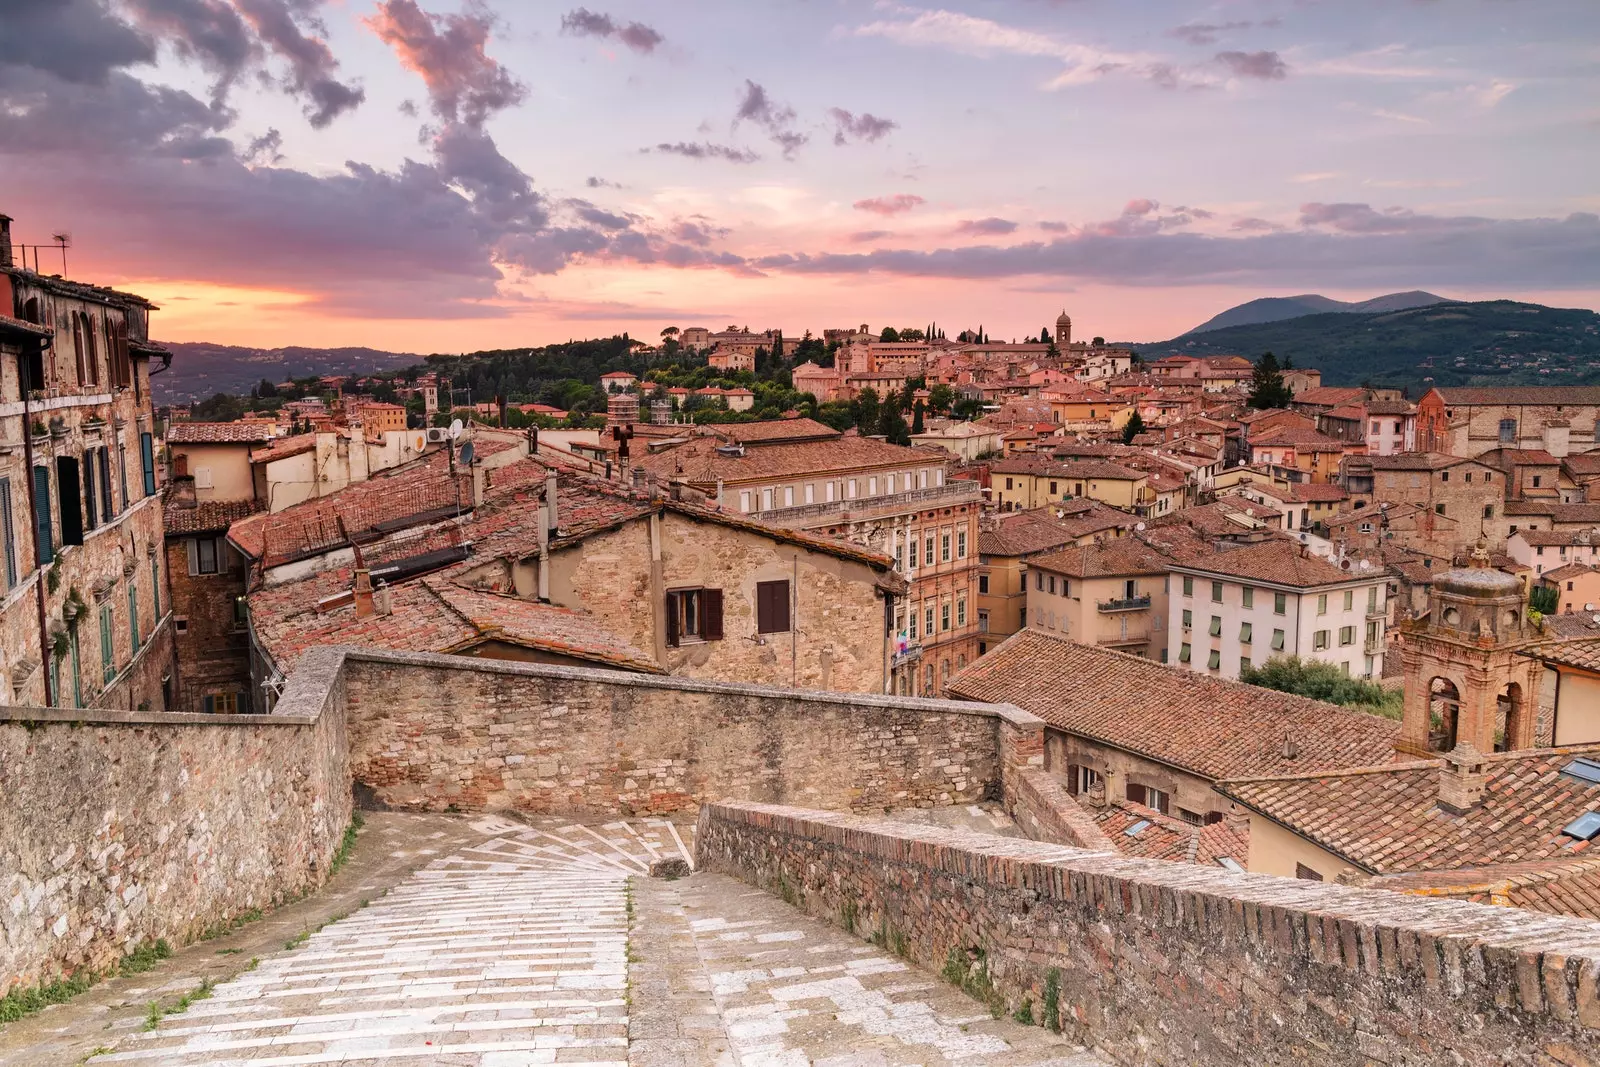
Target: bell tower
1063,330
1465,682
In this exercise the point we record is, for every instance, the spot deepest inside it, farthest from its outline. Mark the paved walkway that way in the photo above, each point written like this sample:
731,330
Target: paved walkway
547,942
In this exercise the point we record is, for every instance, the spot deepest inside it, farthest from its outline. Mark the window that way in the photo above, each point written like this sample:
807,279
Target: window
983,583
944,615
1365,527
1246,632
1183,653
944,547
204,556
1188,586
1053,489
133,617
220,703
1347,635
1244,665
766,500
1438,509
108,661
91,491
961,611
1488,511
44,547
1280,603
102,458
9,535
1444,476
1052,583
1248,596
927,621
1277,640
1038,581
147,461
1349,599
983,626
1372,598
1537,481
1188,619
1216,592
122,471
911,625
1214,661
69,502
1319,640
1322,603
927,551
1508,431
772,607
693,615
961,544
1216,626
1306,874
155,585
744,497
1150,797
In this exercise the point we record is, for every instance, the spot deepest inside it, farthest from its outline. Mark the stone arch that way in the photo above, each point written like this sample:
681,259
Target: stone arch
1444,714
1510,707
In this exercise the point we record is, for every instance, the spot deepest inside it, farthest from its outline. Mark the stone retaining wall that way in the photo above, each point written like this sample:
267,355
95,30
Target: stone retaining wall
122,827
428,732
1172,964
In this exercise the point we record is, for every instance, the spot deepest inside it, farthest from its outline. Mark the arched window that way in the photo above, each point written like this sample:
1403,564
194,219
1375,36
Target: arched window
1444,714
91,357
1508,718
77,344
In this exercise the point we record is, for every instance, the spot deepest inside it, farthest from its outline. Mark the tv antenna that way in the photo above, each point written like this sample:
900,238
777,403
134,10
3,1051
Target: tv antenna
63,240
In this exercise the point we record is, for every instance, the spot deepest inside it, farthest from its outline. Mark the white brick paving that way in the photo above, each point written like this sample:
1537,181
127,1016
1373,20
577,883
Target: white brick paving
514,952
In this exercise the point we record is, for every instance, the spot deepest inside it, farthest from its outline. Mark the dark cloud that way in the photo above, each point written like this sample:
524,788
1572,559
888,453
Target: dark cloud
1201,33
595,216
600,183
697,231
705,150
1266,65
890,205
42,113
311,64
449,53
208,32
1055,227
582,22
1251,224
77,41
862,237
1347,253
990,226
849,127
266,149
1363,218
777,119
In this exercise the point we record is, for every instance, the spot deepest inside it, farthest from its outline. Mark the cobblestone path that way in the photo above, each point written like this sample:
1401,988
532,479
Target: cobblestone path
517,951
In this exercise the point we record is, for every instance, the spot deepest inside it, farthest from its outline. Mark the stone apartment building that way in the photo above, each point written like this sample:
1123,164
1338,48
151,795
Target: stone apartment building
1466,497
1025,482
1112,595
888,498
1243,605
86,613
1470,421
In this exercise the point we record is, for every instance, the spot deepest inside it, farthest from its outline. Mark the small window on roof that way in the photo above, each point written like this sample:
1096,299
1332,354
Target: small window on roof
1584,827
1584,770
1137,828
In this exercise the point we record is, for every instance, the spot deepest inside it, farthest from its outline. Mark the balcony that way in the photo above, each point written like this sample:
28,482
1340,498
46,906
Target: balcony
1127,603
1123,640
912,653
954,491
1375,648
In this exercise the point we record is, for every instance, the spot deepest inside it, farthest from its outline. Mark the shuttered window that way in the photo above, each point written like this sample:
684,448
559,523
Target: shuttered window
693,615
147,458
9,533
772,607
108,659
44,545
133,616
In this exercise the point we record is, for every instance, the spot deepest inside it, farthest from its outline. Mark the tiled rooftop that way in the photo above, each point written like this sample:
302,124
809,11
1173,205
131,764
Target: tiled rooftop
1280,561
206,516
219,433
1211,727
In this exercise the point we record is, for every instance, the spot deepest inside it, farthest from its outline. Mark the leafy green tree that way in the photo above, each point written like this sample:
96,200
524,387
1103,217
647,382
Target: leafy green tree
940,397
866,410
889,335
1099,342
967,407
916,418
1544,599
1323,681
892,425
1132,428
1267,389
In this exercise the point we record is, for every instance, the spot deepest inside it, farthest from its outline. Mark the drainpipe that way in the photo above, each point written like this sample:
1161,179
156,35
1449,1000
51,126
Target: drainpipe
33,511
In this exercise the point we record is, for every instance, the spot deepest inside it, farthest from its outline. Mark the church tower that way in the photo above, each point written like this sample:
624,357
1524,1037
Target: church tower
1465,682
1063,330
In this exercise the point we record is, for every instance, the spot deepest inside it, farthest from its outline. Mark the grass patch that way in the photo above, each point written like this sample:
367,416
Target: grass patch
144,957
1052,999
156,1012
970,971
20,1003
1024,1014
228,926
347,844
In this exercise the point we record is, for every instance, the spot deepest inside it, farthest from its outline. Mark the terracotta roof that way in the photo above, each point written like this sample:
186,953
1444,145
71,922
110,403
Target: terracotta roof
1581,395
1044,466
1280,561
1532,457
14,326
1329,395
1583,464
1298,438
1316,492
1391,407
284,447
1416,461
545,627
1211,727
1571,570
699,462
1024,532
83,290
206,516
1558,538
219,433
774,430
1166,838
1122,555
1584,655
1387,819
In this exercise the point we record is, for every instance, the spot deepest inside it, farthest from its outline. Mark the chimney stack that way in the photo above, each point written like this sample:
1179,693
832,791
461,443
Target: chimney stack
552,516
363,592
641,478
1462,779
5,241
383,599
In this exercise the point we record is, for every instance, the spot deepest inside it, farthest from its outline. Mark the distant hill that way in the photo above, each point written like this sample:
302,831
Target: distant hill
1486,343
201,370
1277,308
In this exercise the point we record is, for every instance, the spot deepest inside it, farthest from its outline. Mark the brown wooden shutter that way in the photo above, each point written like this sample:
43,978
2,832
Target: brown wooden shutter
711,610
772,607
672,620
1072,779
1136,793
780,594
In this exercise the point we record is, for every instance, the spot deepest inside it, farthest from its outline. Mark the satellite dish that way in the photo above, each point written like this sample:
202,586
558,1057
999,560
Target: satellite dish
421,442
1588,607
466,454
455,429
1138,526
1366,565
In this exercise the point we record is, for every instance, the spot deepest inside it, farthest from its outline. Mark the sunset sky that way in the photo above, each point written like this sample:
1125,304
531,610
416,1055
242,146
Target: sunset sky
440,175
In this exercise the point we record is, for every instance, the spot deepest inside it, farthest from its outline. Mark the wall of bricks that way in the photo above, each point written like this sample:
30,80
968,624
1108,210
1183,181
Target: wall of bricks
430,731
121,827
1172,964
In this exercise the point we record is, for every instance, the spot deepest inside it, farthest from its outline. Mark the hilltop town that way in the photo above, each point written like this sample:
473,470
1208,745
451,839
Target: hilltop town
1203,613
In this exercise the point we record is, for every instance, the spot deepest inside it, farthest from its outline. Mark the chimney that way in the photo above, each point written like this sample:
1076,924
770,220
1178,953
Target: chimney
180,493
1462,779
5,241
363,592
552,514
383,599
641,479
1095,797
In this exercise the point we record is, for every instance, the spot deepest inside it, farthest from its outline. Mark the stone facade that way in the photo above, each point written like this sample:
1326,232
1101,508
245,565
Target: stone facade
118,828
1173,964
428,732
213,647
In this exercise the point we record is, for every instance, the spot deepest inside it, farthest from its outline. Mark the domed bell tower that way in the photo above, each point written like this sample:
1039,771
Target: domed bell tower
1063,330
1465,682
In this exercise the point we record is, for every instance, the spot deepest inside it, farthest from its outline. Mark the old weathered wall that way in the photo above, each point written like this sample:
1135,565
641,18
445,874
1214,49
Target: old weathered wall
1170,964
430,731
121,827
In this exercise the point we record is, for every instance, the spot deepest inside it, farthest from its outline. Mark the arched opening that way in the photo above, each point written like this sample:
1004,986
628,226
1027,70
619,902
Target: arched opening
1451,617
1508,718
1444,714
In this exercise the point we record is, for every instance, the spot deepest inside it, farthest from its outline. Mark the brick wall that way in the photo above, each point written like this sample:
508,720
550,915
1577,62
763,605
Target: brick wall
1171,964
429,731
213,651
120,827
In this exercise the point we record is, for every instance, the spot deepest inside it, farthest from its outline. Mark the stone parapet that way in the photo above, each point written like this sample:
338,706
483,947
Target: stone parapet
1166,963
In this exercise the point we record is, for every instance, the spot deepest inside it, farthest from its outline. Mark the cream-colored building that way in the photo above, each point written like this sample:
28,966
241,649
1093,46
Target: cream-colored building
217,456
1021,483
964,440
1113,595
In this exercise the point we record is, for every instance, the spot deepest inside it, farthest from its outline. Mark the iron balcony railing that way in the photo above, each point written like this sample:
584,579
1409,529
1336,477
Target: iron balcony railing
1127,603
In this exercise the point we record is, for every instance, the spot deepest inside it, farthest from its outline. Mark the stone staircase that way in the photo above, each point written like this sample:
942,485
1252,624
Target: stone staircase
519,950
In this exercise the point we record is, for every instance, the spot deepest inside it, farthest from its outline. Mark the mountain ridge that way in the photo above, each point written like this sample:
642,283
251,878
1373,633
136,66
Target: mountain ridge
1277,308
201,369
